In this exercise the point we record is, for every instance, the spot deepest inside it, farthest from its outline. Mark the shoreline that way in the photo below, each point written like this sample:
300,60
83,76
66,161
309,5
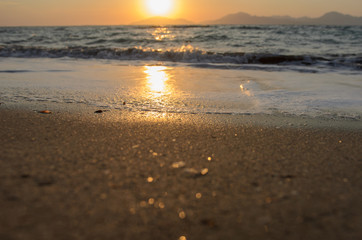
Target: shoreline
162,87
130,175
264,120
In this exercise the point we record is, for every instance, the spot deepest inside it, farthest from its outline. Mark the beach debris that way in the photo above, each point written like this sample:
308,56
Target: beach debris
44,181
208,222
25,175
45,112
179,164
193,173
150,179
287,177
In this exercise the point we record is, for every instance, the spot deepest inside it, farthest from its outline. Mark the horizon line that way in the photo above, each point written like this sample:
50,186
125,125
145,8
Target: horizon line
181,18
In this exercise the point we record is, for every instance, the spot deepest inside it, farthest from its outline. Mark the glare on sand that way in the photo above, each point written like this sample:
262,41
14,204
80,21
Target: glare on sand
159,7
245,90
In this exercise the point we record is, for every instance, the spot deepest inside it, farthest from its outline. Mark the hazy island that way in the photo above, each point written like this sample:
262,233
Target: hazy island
331,18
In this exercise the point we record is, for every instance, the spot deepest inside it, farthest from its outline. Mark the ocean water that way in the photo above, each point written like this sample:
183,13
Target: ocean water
233,69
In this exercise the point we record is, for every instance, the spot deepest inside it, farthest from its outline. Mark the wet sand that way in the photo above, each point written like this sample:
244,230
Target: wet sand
164,176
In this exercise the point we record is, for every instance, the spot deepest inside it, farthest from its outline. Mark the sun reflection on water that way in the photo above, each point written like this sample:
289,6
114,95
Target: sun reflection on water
162,33
158,93
157,78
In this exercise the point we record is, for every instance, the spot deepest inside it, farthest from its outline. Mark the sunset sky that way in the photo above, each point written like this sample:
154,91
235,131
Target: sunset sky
110,12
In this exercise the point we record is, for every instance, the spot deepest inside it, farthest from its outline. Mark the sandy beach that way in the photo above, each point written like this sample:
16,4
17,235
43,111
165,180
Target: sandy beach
206,120
120,175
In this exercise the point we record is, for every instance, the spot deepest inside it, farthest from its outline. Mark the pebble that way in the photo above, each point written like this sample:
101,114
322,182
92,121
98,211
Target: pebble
182,214
45,112
180,164
193,173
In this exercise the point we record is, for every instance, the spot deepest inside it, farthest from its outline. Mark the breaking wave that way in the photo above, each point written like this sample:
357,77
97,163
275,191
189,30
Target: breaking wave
185,54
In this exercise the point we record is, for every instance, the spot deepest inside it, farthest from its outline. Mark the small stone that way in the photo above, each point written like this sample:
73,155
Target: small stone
204,171
192,172
182,214
287,177
180,164
45,112
42,182
99,111
161,205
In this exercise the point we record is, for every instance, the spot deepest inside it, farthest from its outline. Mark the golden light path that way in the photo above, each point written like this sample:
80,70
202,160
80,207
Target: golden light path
162,33
158,90
159,7
156,78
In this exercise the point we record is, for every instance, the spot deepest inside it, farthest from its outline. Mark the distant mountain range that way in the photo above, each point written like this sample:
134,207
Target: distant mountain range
331,18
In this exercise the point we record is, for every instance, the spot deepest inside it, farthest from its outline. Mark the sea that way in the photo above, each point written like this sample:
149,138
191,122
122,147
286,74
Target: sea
313,71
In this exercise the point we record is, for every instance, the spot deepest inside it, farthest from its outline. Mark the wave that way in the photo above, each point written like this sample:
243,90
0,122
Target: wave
185,54
249,27
170,26
210,38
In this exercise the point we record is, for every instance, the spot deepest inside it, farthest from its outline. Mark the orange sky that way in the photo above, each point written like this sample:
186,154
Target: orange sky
110,12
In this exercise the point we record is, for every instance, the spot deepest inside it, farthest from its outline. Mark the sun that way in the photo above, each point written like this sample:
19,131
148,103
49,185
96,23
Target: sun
159,7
